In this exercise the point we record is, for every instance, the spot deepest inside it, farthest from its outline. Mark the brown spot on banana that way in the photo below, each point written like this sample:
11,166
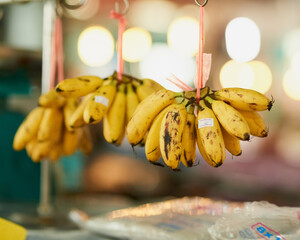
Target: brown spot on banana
83,79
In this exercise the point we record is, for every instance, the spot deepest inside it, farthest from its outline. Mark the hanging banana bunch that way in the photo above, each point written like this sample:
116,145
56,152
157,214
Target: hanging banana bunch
174,123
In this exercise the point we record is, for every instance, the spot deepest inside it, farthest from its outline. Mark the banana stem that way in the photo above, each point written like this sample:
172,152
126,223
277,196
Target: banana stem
209,99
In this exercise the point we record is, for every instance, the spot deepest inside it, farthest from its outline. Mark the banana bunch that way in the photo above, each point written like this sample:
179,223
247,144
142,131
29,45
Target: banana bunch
172,124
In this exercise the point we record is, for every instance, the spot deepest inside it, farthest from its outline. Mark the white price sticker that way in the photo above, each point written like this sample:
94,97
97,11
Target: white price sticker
205,122
102,100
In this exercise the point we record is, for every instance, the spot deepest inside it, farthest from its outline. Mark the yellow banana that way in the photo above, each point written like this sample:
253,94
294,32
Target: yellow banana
56,152
86,141
30,146
132,101
71,141
78,87
114,120
51,125
152,147
232,144
28,129
146,87
210,135
200,144
51,99
146,111
68,110
189,139
231,119
171,132
41,150
256,123
98,105
244,99
77,116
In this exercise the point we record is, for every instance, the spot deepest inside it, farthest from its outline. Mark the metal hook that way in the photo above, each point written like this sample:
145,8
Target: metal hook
201,5
72,6
126,3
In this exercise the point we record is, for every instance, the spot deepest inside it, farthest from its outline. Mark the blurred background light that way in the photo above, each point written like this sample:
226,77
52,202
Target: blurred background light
95,46
154,15
242,37
183,36
85,12
161,62
291,84
291,43
295,62
262,76
136,44
236,74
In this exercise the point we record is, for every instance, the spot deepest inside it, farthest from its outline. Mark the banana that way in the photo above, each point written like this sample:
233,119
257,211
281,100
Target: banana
86,141
230,118
76,119
56,152
114,120
78,87
171,133
189,139
28,129
146,111
152,147
71,141
51,125
244,99
30,146
256,123
232,144
98,105
68,110
146,87
51,99
210,135
41,150
132,101
200,144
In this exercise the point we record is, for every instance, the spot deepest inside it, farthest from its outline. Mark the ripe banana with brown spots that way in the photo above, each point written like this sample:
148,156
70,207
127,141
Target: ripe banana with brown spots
256,123
51,99
232,144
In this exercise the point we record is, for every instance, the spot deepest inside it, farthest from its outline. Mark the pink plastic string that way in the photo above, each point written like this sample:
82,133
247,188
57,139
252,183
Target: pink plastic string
122,25
200,55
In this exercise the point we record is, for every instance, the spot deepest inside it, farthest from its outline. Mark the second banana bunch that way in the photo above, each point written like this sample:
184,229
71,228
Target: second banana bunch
172,124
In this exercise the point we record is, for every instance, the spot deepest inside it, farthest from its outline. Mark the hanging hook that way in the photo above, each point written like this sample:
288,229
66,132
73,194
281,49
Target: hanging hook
201,5
73,6
126,3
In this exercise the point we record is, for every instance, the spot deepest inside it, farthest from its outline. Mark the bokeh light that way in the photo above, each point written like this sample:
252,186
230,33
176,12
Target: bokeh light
183,36
262,76
242,39
95,46
291,84
161,62
295,62
235,74
136,44
291,43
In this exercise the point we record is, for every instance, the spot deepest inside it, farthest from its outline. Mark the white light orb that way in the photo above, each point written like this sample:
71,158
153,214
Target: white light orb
291,43
242,37
183,36
95,46
136,44
235,74
291,84
295,62
262,76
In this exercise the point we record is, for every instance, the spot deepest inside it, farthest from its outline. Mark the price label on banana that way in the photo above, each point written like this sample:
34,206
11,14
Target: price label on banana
170,125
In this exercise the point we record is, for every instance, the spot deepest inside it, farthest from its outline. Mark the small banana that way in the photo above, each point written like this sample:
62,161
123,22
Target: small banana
70,106
51,99
210,135
51,125
171,133
86,141
230,118
71,141
132,101
78,87
146,111
28,129
232,144
244,99
114,120
152,147
76,119
98,105
146,87
41,150
189,139
56,152
256,123
30,146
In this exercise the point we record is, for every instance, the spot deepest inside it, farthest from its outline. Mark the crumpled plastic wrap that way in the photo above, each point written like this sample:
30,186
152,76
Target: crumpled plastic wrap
196,218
